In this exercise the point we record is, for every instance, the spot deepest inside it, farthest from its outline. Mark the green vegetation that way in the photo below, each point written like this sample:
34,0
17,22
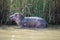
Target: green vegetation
41,8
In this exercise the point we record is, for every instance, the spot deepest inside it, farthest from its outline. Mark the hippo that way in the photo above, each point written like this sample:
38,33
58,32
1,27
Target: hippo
30,22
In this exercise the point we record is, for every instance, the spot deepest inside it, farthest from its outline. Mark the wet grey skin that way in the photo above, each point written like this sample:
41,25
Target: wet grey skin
31,22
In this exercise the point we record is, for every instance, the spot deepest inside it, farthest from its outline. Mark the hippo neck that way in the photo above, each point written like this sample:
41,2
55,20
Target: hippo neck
21,19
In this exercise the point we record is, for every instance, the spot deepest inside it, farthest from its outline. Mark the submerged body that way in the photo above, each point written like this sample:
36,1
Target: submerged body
31,22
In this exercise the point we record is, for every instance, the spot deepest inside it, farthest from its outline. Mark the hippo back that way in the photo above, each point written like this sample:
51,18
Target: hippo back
34,20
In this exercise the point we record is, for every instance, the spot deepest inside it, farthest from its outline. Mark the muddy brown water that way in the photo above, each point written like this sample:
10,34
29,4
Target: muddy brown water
12,33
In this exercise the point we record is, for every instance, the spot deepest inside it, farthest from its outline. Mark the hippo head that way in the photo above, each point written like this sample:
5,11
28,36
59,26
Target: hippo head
16,17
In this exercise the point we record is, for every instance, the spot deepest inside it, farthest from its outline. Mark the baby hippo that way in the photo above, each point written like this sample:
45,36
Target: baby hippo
30,22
